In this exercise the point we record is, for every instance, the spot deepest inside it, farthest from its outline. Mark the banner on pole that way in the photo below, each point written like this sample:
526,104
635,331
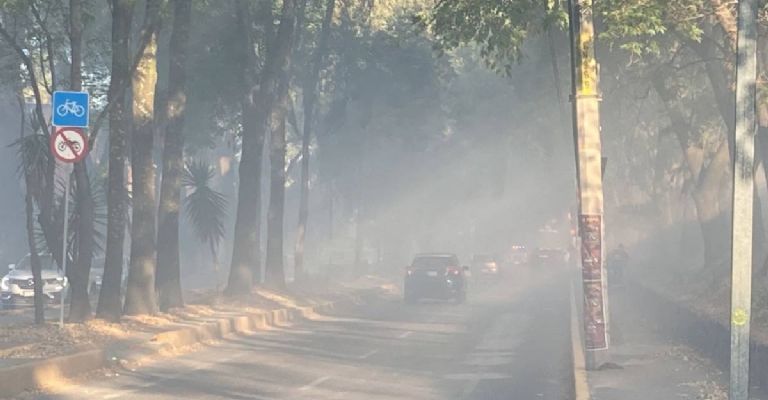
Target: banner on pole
592,274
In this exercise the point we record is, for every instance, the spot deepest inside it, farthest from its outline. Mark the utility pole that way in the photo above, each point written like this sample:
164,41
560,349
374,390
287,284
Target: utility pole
586,129
743,192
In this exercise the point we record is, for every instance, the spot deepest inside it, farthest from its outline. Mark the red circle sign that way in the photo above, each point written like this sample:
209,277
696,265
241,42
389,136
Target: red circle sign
69,145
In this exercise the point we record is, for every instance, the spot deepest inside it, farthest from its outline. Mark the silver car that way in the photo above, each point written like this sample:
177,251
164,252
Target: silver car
17,286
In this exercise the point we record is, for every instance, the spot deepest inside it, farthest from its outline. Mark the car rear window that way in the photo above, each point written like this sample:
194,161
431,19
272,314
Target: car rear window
434,262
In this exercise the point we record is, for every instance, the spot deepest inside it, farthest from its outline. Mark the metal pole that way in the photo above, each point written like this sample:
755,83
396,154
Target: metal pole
586,125
743,191
64,248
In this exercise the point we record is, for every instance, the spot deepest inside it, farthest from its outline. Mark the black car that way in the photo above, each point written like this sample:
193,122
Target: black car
435,276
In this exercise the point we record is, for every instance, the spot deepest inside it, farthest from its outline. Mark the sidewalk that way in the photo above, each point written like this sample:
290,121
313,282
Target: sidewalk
653,367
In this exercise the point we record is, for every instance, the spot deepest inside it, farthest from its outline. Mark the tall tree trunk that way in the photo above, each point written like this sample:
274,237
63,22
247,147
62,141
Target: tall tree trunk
275,273
309,99
246,252
168,264
34,258
140,294
110,304
247,225
710,212
29,209
80,304
246,255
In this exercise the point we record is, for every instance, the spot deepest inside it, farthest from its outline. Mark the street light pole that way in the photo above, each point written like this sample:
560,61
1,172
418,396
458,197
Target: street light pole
586,126
743,192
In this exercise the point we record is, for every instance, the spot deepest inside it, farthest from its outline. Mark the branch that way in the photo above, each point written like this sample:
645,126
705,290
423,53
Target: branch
292,163
292,115
42,69
697,62
49,47
32,77
151,23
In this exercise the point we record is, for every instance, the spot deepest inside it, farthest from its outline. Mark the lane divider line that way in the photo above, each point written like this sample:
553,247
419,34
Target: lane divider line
405,334
314,383
368,354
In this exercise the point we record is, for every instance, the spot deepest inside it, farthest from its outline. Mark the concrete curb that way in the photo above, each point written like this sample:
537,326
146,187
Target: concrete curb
36,375
580,382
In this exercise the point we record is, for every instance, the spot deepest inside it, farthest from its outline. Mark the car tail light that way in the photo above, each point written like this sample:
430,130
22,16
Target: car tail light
452,271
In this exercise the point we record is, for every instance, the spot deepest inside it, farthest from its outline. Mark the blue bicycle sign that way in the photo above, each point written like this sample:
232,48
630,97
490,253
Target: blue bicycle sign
70,109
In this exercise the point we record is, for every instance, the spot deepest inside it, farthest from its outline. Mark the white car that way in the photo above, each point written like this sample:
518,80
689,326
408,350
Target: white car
17,286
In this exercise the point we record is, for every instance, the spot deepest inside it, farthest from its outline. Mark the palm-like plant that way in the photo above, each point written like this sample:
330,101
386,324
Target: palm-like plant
34,157
33,162
206,208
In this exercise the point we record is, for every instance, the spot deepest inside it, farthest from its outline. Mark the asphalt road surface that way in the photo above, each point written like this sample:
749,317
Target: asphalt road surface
510,341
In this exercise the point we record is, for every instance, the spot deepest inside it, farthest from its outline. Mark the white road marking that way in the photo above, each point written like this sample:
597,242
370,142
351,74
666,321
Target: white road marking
171,377
314,383
405,334
477,376
368,354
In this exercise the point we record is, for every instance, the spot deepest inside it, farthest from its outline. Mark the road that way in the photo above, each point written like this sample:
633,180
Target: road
510,341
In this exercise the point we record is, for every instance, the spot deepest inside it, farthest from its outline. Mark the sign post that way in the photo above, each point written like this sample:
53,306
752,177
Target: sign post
743,192
70,111
64,256
68,145
586,126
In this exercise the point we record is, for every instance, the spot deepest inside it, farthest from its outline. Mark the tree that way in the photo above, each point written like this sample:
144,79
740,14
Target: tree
37,168
110,299
275,273
641,29
80,304
498,28
140,294
283,47
260,110
246,255
168,264
31,151
309,101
